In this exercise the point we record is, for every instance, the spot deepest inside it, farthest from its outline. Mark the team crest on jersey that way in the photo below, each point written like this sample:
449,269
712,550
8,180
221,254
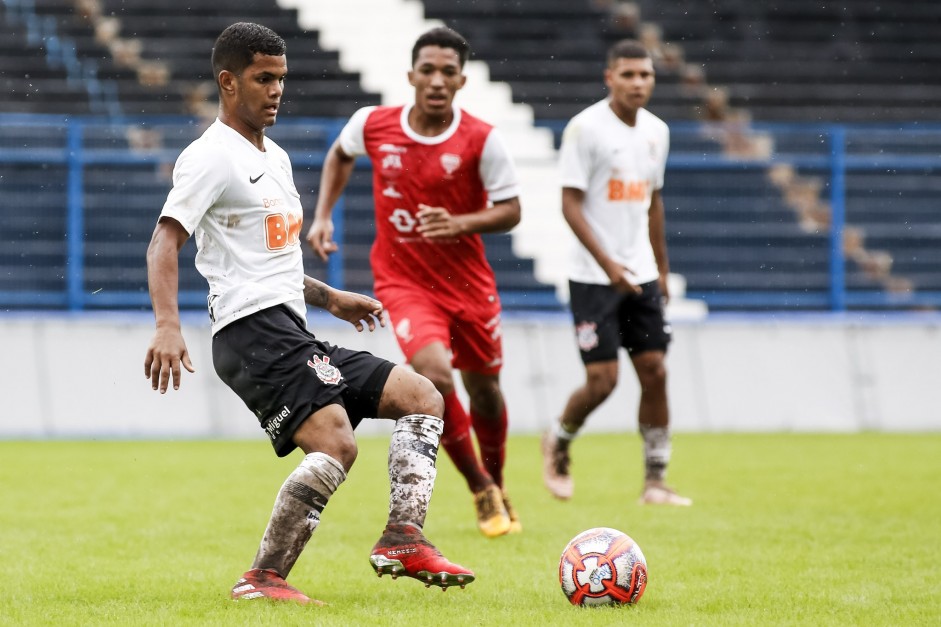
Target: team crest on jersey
325,372
586,334
450,162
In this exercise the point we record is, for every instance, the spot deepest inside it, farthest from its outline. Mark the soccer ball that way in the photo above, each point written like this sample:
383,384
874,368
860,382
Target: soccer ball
603,566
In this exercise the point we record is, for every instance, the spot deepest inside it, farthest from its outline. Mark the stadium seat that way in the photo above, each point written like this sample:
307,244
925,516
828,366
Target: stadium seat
796,61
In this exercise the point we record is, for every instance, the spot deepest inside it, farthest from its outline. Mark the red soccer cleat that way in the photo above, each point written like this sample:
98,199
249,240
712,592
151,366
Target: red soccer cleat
262,583
403,550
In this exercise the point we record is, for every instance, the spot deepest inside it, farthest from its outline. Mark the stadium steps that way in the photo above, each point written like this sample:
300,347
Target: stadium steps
797,61
759,50
29,81
858,54
165,70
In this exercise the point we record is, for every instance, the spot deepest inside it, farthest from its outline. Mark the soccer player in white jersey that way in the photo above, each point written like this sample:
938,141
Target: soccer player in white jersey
233,190
612,163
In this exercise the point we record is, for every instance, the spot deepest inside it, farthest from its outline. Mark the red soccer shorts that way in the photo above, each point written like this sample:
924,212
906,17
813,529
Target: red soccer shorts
472,333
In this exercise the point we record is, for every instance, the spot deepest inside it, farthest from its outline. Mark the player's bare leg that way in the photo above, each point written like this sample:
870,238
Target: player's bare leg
654,422
413,449
433,361
327,439
600,379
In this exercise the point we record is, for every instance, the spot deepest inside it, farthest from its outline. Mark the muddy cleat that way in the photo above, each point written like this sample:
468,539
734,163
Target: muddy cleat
492,517
404,551
659,494
262,583
555,467
515,525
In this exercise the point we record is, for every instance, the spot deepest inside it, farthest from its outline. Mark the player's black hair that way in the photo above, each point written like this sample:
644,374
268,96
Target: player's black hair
443,37
627,49
235,48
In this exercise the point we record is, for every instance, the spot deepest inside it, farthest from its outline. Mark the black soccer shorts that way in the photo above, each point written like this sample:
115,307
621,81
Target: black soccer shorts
606,320
284,374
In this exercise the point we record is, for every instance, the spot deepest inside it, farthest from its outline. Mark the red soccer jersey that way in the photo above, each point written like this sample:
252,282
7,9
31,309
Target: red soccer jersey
442,171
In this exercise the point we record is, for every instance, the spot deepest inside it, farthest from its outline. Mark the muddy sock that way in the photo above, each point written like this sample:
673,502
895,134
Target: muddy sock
297,511
413,450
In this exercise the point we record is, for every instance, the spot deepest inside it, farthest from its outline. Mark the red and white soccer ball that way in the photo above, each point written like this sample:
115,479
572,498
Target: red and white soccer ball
603,566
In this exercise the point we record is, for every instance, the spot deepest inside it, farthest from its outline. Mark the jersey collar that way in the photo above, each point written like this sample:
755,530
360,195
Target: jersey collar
431,141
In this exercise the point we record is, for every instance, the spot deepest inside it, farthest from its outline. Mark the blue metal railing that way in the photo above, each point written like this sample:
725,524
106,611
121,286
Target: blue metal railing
837,218
836,151
74,154
37,144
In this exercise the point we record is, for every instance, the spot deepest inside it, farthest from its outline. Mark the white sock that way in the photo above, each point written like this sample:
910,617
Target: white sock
413,450
297,510
564,434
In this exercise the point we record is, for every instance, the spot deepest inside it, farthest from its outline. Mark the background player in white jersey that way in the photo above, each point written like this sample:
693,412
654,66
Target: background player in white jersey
612,163
441,177
233,189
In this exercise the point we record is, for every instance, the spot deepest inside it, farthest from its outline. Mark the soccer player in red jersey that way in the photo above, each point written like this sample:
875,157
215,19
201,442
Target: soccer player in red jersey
441,177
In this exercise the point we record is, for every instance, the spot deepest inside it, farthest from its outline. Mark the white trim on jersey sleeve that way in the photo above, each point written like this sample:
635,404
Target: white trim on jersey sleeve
352,138
575,156
200,176
497,171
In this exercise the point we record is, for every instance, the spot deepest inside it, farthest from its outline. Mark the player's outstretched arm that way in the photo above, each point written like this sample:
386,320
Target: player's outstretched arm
167,349
358,309
337,168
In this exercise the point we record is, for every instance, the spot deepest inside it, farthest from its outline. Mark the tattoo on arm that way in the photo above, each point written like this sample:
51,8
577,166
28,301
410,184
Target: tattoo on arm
315,294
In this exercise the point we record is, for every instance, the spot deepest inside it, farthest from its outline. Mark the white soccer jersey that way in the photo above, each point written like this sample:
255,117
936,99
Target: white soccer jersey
242,207
618,167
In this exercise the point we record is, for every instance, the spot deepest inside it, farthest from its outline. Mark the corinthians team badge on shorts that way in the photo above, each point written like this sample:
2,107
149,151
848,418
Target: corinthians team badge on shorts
587,335
325,372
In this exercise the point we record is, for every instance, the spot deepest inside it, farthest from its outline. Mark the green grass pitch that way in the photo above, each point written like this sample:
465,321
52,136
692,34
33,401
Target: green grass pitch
786,529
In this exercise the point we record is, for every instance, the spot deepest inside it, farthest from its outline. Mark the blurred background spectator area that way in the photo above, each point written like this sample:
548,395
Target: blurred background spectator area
804,174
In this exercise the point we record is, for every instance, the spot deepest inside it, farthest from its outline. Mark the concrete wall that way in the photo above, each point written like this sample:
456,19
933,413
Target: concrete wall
83,376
